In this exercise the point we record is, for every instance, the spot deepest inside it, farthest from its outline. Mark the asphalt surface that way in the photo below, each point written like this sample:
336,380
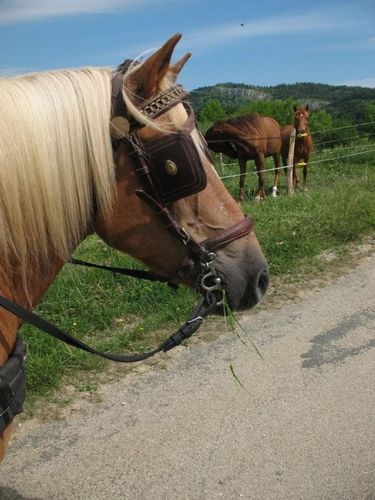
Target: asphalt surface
302,426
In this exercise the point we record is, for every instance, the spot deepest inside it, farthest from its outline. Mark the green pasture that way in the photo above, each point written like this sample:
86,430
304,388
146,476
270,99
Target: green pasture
120,314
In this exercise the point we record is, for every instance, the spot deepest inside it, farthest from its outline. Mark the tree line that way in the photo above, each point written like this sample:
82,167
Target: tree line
332,108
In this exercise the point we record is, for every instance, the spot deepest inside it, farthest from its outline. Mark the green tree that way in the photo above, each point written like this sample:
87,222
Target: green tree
369,117
279,109
211,111
320,120
370,111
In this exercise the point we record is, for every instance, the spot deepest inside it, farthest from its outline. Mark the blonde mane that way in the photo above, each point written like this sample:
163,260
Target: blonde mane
55,163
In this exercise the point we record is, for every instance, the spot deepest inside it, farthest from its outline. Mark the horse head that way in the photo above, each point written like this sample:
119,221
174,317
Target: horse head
133,226
217,142
301,116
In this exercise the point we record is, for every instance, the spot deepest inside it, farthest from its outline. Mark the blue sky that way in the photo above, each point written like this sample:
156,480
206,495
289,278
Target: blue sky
243,41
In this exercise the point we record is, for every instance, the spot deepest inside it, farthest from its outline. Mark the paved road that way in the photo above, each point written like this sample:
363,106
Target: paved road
303,428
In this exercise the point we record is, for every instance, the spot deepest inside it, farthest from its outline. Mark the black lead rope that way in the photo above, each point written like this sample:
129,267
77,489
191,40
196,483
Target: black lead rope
184,332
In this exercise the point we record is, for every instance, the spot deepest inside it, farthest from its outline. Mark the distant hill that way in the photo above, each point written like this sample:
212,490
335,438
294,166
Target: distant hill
337,99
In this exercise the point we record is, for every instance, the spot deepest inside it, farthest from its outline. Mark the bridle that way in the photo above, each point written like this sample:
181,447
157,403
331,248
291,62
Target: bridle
169,168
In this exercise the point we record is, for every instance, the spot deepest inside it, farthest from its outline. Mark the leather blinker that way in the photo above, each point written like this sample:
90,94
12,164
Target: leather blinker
175,167
172,163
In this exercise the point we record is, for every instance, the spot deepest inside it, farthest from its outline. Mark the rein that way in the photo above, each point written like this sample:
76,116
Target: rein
158,164
185,331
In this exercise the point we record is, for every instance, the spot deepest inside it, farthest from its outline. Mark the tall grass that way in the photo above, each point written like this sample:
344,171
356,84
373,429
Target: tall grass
112,312
118,313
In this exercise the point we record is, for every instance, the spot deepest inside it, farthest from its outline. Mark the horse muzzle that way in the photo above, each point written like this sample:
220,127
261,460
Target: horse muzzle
244,284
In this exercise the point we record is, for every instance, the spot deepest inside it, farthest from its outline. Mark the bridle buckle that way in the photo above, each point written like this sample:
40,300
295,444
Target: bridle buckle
185,236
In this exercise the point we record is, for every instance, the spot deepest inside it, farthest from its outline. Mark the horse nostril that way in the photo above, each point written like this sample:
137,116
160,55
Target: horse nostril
256,289
263,281
261,285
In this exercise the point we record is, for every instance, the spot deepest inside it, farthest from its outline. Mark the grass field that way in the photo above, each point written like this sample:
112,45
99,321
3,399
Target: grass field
116,313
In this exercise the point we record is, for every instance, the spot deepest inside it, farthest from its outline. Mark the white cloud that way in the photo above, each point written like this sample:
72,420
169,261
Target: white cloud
211,37
283,25
361,82
16,11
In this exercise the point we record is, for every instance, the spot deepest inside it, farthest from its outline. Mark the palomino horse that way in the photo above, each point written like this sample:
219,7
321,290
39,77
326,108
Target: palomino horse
303,144
250,137
62,178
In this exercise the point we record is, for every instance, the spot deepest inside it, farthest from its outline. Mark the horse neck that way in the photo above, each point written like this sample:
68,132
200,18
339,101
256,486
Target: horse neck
11,289
306,141
307,137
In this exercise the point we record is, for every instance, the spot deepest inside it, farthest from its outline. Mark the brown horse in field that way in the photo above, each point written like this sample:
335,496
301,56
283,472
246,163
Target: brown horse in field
249,137
303,145
150,192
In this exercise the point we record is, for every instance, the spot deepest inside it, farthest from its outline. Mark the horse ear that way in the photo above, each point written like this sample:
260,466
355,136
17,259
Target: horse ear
294,107
176,68
145,80
307,107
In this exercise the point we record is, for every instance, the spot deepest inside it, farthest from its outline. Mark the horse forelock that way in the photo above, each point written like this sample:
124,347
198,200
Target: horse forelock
55,156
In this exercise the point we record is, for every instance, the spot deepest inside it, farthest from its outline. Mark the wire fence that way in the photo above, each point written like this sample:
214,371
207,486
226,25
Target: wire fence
357,150
345,138
341,148
312,133
289,166
343,127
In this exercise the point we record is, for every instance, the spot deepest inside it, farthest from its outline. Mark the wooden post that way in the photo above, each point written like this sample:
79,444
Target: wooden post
289,175
221,163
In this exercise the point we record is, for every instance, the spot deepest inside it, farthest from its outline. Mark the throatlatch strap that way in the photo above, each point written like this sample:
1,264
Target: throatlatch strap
125,271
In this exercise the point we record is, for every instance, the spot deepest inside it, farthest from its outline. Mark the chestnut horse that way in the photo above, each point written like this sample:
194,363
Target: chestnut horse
61,180
303,144
249,137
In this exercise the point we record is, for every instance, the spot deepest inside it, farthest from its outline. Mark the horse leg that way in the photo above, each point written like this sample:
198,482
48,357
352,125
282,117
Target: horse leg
285,164
242,162
305,174
295,176
276,160
259,162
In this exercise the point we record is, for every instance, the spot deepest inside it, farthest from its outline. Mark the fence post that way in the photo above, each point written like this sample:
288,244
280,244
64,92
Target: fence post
221,162
289,176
